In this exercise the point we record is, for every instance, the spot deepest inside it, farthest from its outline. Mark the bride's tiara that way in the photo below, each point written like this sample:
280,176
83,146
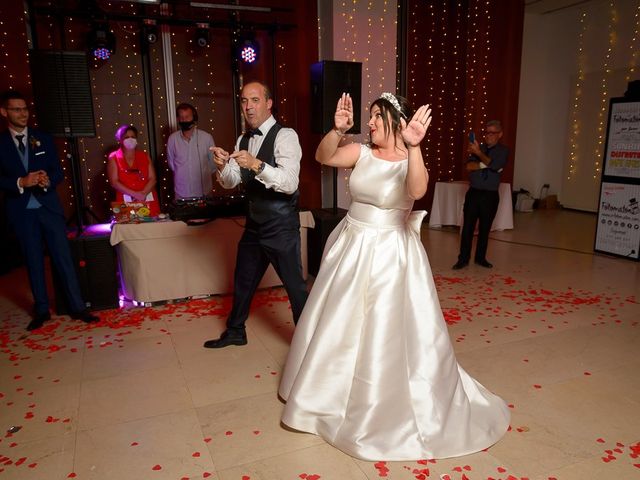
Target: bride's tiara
391,98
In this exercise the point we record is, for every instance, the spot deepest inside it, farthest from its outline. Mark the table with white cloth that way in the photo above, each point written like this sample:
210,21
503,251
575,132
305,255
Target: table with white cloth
448,204
172,260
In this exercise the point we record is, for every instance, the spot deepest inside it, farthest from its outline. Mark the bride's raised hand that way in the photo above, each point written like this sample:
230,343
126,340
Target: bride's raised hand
414,131
343,119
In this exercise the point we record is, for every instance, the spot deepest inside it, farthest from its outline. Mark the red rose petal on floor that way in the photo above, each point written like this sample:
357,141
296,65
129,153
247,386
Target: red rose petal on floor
20,461
537,386
637,465
33,465
72,475
228,432
256,432
195,454
206,475
134,444
156,467
246,477
600,440
502,470
28,415
184,478
457,469
13,445
587,373
207,440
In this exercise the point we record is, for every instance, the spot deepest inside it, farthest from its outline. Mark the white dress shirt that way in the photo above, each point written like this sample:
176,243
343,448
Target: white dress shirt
287,151
24,132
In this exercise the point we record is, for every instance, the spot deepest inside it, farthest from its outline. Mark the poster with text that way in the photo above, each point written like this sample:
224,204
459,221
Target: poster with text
622,158
618,229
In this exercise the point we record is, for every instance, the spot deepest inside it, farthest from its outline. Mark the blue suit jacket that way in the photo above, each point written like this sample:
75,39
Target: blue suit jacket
43,155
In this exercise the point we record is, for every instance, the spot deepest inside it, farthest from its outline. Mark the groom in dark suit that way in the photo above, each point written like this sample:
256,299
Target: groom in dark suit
29,173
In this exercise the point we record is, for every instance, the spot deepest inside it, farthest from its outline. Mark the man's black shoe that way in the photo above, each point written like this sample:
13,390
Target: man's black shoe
38,320
226,339
460,264
85,316
484,263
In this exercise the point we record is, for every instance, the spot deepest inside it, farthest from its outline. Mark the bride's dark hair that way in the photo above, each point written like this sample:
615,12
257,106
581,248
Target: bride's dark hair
393,124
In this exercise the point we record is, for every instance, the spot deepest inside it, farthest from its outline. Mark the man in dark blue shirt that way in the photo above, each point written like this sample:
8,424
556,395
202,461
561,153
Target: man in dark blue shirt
486,162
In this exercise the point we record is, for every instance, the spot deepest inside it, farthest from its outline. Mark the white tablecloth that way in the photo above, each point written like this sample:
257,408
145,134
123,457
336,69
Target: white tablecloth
448,202
171,260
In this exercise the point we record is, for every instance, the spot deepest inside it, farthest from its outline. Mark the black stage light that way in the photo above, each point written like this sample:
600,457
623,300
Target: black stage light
102,42
248,51
202,34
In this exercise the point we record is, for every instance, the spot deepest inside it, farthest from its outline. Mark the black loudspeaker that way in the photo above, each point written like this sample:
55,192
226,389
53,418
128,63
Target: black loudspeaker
96,267
62,92
329,80
326,219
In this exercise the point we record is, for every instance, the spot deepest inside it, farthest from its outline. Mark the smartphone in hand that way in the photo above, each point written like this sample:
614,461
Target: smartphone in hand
472,137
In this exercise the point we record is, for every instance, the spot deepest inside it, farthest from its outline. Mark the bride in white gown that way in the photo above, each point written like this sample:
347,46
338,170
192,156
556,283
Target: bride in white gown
371,367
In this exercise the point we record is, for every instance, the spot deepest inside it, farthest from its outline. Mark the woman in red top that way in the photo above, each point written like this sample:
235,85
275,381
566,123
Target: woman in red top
131,172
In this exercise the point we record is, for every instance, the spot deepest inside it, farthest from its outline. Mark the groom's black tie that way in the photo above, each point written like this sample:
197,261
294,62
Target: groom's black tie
21,146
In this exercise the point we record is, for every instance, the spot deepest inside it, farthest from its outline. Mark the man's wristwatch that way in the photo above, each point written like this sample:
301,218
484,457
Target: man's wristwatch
260,168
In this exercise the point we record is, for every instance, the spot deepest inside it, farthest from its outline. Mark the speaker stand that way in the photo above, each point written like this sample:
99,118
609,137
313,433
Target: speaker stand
78,190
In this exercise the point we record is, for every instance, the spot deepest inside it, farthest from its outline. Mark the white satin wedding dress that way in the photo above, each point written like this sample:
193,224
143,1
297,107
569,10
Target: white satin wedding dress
371,368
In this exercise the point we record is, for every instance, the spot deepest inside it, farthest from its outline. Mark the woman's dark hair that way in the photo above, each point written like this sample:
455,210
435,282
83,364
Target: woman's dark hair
385,106
122,130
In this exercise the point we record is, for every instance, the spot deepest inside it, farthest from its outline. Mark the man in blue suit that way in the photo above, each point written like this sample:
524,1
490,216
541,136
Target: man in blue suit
29,173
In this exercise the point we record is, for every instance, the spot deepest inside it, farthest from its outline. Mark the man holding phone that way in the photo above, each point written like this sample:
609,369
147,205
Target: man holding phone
485,164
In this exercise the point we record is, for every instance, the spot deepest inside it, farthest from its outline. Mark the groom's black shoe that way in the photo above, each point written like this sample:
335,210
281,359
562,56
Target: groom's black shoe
38,320
460,264
484,263
85,316
228,337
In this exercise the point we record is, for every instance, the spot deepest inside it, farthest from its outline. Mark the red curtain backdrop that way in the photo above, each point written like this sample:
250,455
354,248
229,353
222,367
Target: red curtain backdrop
201,76
463,58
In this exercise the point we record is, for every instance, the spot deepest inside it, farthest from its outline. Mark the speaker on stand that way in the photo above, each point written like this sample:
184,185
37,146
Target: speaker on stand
329,80
64,106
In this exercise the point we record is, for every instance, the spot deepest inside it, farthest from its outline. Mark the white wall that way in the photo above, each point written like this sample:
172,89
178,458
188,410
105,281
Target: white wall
550,65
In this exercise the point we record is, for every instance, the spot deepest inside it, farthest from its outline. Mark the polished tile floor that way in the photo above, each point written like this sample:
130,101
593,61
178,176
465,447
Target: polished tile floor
552,328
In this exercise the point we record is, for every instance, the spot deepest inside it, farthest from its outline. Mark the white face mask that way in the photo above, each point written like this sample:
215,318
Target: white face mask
130,143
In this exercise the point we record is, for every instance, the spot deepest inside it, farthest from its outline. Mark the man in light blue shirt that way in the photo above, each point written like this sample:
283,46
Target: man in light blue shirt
189,156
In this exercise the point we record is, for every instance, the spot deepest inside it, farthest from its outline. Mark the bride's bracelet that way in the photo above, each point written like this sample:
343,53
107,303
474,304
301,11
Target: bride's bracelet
340,134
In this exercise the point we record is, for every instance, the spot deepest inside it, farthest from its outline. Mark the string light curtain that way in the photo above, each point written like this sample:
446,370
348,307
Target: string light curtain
463,58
